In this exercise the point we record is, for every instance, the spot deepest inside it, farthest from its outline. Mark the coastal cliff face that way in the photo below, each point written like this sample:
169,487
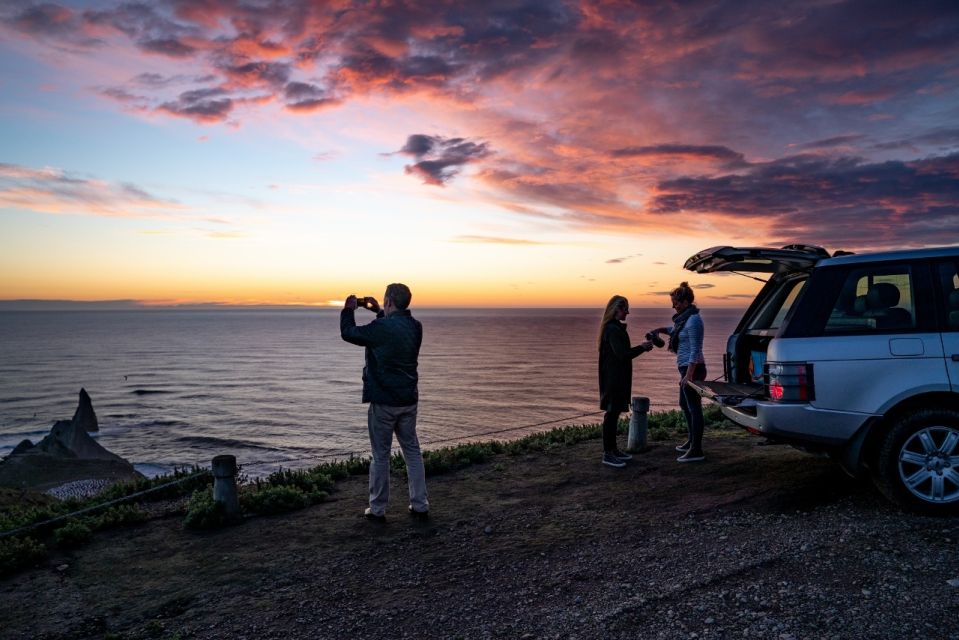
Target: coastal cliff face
67,454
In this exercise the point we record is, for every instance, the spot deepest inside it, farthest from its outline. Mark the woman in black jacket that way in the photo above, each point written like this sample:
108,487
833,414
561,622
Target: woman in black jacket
615,375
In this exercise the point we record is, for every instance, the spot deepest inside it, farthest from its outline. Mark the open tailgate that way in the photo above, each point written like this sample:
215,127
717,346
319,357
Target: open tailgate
794,257
727,394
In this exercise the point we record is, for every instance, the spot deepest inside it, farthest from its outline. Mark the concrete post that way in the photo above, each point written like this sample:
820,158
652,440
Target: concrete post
638,425
224,484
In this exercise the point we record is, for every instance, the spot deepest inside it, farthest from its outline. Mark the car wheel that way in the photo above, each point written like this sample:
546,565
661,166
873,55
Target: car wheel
919,462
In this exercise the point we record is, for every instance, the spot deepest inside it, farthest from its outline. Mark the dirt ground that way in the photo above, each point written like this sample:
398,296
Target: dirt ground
759,541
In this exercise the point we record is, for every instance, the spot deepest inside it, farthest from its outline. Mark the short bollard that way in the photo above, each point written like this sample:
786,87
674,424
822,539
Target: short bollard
638,425
224,485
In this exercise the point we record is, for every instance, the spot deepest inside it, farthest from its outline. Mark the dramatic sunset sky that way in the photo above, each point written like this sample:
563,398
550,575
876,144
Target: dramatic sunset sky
487,153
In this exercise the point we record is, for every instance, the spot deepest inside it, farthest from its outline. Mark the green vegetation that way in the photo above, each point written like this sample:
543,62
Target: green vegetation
315,483
202,512
18,513
281,491
47,523
18,553
73,534
200,478
270,500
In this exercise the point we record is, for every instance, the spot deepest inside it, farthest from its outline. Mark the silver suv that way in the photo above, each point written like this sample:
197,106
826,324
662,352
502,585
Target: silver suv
856,356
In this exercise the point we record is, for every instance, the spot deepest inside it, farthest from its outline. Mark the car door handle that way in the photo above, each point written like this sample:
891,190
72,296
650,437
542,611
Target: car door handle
955,357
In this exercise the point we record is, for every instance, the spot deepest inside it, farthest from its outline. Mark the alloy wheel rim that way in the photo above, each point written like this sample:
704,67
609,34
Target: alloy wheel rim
929,464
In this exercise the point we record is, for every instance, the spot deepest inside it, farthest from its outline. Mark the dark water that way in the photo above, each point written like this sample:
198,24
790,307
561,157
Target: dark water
173,387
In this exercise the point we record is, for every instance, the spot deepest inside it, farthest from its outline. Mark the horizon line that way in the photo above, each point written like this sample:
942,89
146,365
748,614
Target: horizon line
28,304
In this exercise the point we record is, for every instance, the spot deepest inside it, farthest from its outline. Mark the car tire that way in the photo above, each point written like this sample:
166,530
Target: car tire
918,466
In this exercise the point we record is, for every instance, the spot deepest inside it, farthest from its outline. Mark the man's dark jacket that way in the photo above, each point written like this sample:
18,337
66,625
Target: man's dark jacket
392,348
616,367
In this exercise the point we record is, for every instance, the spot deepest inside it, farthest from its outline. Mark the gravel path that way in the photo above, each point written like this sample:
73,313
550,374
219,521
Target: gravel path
758,542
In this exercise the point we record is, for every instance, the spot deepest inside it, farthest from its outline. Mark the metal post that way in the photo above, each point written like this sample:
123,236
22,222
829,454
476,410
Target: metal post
638,425
224,484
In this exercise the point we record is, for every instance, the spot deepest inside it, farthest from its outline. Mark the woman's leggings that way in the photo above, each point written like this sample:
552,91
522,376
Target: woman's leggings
610,423
692,405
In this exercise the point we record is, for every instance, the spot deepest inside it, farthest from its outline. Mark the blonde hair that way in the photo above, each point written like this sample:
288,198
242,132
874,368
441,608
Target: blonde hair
683,293
616,302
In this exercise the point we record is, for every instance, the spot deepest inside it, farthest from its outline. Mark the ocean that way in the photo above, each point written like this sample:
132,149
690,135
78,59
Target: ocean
281,389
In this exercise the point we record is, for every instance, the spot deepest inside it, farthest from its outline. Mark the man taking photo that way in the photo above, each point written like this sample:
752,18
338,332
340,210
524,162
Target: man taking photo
392,343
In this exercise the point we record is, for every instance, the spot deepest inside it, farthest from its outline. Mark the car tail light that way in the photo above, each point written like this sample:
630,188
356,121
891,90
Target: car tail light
789,382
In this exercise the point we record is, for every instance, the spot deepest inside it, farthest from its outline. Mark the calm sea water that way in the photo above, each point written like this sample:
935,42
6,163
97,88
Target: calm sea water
280,388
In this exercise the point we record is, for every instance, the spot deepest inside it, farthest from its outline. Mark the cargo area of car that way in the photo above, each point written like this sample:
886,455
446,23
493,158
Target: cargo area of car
744,363
743,367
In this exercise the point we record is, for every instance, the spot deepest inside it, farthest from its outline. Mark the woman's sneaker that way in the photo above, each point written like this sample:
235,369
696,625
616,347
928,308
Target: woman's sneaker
691,456
684,447
622,456
610,460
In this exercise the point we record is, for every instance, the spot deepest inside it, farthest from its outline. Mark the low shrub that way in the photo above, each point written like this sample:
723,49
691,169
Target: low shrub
310,481
666,425
203,513
342,469
18,553
73,534
546,440
271,500
119,515
201,478
18,517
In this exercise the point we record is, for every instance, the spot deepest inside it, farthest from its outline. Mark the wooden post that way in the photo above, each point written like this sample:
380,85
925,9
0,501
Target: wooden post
224,484
638,425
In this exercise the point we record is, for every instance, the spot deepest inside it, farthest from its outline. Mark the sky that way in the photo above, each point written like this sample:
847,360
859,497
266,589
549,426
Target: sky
485,153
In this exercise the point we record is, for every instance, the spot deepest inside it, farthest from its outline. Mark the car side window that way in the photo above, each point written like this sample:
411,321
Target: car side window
875,299
948,282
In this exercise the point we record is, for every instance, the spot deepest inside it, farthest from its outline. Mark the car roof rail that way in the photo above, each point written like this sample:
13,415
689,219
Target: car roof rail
808,248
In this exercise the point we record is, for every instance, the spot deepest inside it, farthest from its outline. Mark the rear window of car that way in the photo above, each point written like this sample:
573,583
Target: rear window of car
773,314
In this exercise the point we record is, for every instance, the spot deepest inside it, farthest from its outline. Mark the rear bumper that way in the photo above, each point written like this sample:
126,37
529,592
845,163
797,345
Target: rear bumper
798,423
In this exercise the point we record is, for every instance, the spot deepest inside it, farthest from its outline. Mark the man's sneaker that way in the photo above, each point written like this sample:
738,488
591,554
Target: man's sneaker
691,456
622,456
611,460
684,447
372,517
422,516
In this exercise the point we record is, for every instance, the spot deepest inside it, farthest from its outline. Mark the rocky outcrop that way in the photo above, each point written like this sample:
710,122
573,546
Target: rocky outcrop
67,454
85,417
